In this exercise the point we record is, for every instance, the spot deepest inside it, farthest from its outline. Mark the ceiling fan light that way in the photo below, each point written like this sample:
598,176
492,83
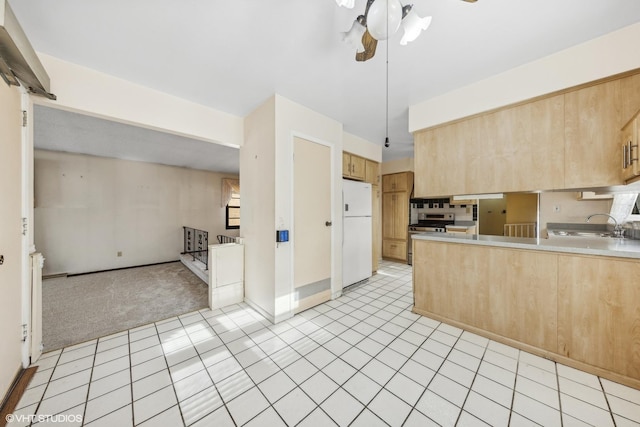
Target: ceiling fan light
384,14
346,3
353,37
413,25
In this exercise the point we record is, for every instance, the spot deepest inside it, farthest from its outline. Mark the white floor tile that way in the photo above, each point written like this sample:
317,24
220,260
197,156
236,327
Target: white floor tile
448,389
153,404
317,418
468,420
625,408
457,373
218,418
147,368
362,388
390,408
342,407
108,384
294,406
234,386
583,392
108,403
493,390
268,417
438,409
277,386
64,401
247,405
417,419
378,371
300,370
121,417
535,411
585,411
405,388
110,368
319,387
200,405
192,385
538,392
486,410
262,370
339,371
367,418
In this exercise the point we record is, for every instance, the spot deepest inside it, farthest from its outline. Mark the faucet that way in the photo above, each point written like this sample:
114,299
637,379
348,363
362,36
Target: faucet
618,231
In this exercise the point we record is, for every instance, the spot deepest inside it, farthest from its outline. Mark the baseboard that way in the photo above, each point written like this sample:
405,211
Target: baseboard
120,268
15,392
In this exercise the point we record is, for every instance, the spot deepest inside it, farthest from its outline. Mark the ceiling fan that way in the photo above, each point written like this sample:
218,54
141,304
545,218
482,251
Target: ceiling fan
381,19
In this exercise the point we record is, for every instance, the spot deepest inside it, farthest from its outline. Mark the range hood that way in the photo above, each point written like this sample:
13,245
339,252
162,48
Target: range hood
18,61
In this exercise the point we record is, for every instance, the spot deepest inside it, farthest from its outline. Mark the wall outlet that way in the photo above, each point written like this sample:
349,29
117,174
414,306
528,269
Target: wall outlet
556,208
119,253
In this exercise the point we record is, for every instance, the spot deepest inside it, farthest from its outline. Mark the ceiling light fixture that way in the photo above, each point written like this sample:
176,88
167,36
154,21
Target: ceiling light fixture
381,20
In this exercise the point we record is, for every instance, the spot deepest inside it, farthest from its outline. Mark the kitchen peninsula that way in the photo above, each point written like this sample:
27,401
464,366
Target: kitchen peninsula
574,301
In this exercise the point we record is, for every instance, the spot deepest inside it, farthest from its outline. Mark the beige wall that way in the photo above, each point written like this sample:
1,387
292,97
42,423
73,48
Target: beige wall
87,209
572,210
398,165
10,236
604,56
361,147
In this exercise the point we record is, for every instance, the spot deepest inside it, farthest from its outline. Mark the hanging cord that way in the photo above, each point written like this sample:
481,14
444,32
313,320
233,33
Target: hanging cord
386,139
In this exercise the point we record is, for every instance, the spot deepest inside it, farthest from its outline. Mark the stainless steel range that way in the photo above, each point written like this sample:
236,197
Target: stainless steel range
428,223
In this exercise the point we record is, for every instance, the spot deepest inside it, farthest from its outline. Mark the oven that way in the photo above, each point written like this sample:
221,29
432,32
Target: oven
434,223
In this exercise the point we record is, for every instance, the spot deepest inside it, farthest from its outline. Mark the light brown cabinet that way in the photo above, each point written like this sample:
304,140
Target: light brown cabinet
570,139
579,310
353,166
592,134
630,150
396,191
402,181
372,172
514,149
598,315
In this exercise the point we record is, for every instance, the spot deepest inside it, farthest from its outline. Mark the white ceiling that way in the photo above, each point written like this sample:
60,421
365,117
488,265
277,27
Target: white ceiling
233,55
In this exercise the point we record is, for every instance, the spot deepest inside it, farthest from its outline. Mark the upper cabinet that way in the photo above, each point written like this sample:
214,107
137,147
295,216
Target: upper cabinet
570,139
502,151
402,181
360,169
593,122
353,166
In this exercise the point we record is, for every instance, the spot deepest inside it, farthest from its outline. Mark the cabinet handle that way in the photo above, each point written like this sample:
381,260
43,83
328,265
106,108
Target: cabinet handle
624,156
631,158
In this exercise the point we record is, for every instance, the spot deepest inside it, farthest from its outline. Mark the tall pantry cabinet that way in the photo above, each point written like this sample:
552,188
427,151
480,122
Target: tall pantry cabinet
396,193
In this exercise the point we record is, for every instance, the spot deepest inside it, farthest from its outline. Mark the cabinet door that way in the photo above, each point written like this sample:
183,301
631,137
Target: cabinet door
346,164
442,158
402,181
388,215
630,153
357,167
395,249
372,172
597,317
592,135
630,90
401,217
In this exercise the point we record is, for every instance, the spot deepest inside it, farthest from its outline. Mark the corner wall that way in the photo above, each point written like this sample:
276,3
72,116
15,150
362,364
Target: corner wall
258,198
87,209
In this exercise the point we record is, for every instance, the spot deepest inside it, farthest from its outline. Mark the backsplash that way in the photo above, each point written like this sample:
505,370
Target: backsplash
436,206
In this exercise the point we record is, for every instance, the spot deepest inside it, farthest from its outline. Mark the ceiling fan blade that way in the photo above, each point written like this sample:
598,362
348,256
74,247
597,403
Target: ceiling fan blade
369,44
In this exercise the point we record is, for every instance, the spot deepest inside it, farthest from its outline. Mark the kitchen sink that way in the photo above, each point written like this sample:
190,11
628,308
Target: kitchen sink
582,233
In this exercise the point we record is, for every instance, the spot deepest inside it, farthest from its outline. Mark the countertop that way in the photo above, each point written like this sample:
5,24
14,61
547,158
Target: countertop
622,248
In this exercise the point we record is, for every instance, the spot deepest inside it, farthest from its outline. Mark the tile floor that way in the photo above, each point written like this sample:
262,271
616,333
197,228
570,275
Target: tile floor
361,360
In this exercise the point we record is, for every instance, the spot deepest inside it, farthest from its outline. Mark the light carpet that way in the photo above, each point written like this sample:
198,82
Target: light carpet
80,308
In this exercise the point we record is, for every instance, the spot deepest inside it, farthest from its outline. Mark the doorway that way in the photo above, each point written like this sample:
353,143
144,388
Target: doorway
312,224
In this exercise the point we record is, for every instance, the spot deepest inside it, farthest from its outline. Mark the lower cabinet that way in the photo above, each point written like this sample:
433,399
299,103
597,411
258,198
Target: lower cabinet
395,249
579,310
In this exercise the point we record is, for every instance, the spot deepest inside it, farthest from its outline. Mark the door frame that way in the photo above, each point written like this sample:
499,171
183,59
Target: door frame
292,136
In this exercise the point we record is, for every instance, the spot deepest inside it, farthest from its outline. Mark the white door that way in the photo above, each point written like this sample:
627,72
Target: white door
312,223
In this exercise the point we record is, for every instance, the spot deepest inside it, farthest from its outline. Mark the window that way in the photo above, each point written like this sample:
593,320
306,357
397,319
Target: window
233,212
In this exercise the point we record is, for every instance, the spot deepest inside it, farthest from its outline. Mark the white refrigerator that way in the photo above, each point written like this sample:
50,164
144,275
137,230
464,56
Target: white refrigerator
357,234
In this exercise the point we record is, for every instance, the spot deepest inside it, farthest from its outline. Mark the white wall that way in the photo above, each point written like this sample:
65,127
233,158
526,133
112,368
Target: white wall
604,56
89,208
257,216
90,92
572,210
10,236
361,147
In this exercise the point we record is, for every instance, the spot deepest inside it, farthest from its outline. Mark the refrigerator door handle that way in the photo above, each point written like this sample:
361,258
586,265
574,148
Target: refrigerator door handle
346,207
328,223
